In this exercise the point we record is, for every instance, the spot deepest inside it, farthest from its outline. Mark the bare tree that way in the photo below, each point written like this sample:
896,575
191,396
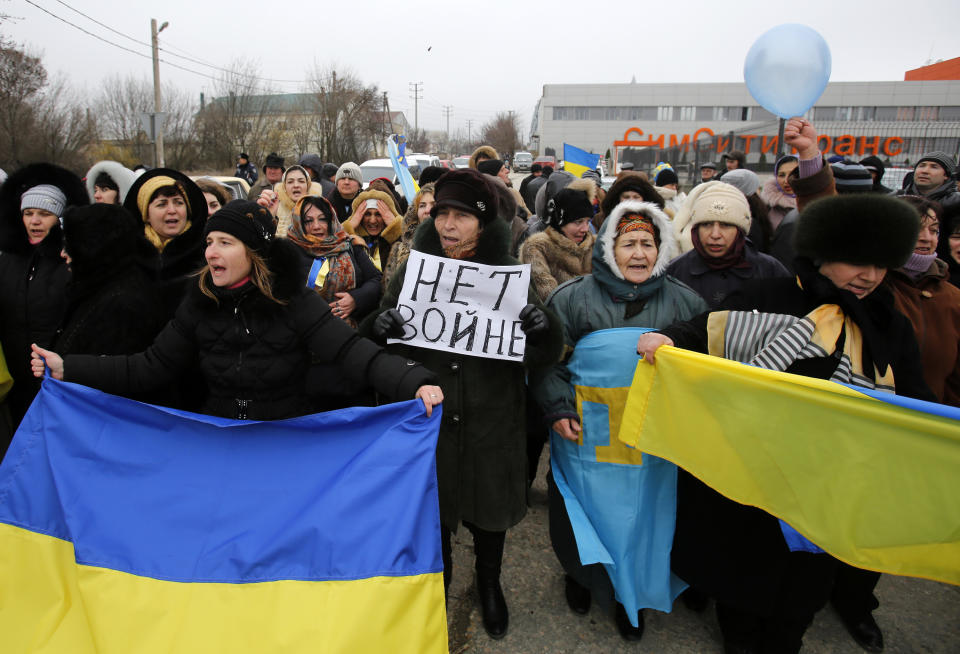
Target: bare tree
64,129
350,121
22,76
240,118
503,132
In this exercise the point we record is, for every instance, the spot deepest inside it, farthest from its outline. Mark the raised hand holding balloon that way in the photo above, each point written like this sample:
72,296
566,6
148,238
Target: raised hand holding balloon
787,69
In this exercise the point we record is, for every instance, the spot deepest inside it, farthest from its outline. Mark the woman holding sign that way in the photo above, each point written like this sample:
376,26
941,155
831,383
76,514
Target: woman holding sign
481,452
628,287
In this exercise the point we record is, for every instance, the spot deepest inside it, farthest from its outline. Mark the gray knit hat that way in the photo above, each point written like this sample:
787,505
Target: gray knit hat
939,157
349,170
745,181
851,177
45,196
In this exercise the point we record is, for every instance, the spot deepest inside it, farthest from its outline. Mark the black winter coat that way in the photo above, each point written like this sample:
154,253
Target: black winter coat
254,353
715,285
33,280
481,452
736,553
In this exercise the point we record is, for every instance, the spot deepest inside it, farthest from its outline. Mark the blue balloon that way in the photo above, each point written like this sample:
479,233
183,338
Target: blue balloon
787,69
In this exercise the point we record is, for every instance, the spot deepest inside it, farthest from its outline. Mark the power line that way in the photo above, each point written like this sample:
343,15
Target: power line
173,54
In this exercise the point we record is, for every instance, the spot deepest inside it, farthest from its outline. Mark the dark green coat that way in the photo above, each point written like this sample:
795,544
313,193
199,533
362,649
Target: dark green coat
481,452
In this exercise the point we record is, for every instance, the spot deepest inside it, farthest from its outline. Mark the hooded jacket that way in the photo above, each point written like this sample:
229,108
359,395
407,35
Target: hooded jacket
605,300
183,254
254,353
286,206
481,451
122,176
33,279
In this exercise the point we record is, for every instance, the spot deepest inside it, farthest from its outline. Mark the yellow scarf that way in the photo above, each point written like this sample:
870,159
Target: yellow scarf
143,204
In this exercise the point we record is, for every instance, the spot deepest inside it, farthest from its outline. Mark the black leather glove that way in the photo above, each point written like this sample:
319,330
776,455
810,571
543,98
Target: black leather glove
533,321
388,324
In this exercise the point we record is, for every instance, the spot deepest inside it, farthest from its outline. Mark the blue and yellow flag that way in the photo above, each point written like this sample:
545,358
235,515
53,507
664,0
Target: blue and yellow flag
622,505
407,183
126,527
872,478
577,161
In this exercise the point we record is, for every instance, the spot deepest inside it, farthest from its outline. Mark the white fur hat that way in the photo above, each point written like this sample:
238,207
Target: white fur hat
709,202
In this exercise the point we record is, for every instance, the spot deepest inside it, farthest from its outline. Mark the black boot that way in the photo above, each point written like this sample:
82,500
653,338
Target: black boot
578,597
865,630
493,606
627,630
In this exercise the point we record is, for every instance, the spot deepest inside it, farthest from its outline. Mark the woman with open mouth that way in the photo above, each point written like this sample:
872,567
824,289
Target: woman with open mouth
172,211
628,287
253,326
33,277
375,219
722,259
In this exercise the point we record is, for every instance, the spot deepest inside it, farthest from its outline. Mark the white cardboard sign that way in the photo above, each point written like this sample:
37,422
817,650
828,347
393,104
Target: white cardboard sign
465,307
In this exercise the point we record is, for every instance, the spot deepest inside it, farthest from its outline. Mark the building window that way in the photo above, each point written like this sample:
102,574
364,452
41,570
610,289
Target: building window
949,113
688,113
704,113
581,113
824,113
759,113
927,113
664,113
866,114
886,113
906,113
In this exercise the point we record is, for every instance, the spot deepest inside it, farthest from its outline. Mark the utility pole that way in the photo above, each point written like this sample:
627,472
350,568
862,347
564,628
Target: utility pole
417,89
447,110
469,125
158,121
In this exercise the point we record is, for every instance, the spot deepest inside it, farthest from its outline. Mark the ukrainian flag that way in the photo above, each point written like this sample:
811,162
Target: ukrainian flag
126,528
407,183
577,161
872,478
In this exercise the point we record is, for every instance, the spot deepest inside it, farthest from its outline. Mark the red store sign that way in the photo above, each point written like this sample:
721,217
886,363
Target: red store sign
845,145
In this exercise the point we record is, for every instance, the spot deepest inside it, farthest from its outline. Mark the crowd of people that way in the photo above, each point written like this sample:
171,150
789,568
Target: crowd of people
170,291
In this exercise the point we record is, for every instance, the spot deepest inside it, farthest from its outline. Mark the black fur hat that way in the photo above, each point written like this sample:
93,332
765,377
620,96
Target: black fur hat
861,229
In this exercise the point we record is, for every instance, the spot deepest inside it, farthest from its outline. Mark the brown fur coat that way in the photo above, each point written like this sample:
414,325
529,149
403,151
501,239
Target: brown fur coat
554,259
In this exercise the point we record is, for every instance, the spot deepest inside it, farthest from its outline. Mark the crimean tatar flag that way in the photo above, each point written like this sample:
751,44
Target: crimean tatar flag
126,527
621,503
870,477
577,161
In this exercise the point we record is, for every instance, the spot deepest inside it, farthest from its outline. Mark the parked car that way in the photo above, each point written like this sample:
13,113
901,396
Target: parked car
461,162
446,163
238,187
547,160
371,169
522,161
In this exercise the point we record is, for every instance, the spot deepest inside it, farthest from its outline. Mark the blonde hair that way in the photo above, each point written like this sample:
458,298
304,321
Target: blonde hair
260,275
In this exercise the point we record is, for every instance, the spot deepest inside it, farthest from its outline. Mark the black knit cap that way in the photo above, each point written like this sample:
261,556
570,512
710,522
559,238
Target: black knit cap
469,190
567,206
246,220
274,160
666,176
860,229
490,166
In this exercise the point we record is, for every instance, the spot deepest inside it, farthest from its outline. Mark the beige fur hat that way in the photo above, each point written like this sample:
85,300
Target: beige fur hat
709,202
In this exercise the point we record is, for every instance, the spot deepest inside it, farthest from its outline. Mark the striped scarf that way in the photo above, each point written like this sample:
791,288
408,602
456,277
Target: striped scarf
775,341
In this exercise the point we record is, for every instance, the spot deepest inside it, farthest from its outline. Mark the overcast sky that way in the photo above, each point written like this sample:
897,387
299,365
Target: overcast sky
479,58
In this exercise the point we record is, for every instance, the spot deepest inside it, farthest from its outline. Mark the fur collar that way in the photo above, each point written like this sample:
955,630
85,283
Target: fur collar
603,249
555,239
